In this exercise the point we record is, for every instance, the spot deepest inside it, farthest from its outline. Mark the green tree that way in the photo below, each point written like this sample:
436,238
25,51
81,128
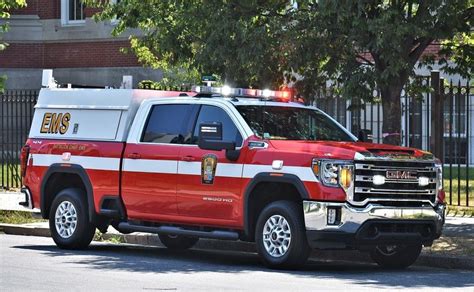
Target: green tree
372,45
362,45
238,40
5,7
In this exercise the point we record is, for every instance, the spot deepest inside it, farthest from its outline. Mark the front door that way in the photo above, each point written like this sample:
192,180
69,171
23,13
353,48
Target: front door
209,184
150,166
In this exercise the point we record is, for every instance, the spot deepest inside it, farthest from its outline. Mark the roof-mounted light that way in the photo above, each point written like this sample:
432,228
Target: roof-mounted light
226,91
267,93
249,92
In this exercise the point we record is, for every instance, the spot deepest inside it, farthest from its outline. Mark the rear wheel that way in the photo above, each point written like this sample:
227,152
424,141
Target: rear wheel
396,256
280,235
69,221
178,242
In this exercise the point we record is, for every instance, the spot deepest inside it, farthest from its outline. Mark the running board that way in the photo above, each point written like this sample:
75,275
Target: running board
215,234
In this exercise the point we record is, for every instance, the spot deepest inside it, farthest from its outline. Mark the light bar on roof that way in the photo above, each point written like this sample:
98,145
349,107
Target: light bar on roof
249,92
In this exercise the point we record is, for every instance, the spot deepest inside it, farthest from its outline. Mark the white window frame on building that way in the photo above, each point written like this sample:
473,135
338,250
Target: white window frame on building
66,18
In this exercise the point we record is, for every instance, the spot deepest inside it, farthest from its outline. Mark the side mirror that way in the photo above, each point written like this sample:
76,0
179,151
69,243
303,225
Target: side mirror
210,137
365,136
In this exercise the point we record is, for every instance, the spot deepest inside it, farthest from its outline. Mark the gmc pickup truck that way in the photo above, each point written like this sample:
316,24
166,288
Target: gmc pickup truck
230,164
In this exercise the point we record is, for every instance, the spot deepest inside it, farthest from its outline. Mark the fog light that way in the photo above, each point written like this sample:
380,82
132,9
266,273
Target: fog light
378,179
334,216
423,181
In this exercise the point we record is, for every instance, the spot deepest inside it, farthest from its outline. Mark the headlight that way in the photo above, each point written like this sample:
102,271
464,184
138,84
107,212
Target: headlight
334,173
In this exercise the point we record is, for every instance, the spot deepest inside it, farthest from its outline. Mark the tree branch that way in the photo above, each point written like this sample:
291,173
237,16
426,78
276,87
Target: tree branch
415,53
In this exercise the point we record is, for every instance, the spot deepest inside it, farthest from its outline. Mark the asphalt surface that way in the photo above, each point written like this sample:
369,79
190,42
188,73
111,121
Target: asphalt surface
35,263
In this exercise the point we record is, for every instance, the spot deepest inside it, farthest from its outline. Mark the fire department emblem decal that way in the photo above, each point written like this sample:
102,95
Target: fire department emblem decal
208,168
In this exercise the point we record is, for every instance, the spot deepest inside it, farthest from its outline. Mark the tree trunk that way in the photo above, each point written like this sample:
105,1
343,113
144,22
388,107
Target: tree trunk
392,114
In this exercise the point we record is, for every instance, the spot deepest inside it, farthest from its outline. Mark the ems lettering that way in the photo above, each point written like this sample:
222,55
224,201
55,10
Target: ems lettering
54,123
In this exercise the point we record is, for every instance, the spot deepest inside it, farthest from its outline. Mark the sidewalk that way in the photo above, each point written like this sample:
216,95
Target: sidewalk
455,249
10,200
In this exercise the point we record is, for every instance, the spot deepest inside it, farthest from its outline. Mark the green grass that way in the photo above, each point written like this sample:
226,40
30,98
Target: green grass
107,237
460,211
18,217
461,186
9,173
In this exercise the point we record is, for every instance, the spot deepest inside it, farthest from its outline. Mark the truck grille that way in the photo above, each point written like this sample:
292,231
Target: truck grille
401,181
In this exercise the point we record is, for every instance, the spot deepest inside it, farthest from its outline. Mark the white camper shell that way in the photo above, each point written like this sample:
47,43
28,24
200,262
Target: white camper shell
89,114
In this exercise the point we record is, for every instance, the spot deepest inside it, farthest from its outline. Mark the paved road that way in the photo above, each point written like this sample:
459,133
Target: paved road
35,263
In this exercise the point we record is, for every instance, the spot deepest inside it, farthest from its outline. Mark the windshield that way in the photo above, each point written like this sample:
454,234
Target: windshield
292,123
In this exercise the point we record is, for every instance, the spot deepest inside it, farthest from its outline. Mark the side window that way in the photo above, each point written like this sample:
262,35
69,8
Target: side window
210,113
169,123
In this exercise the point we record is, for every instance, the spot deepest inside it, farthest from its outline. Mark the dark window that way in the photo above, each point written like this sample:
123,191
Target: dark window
76,10
290,123
214,114
170,123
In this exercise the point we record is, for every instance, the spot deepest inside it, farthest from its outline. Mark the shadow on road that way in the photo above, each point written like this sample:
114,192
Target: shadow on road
463,230
132,258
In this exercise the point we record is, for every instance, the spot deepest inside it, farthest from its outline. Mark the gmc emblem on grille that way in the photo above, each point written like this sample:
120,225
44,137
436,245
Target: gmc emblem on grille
400,174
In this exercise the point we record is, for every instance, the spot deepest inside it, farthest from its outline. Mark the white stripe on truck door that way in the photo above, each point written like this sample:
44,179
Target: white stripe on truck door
171,166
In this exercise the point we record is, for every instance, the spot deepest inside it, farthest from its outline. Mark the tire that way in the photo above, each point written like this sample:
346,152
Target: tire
178,242
67,235
285,245
396,257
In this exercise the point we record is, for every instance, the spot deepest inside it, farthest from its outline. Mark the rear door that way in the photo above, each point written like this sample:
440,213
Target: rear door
150,164
209,184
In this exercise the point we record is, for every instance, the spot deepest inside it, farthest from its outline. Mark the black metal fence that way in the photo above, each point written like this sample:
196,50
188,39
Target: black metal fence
442,122
16,113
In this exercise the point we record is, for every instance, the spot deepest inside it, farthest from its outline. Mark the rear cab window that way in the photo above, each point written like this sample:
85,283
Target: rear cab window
170,124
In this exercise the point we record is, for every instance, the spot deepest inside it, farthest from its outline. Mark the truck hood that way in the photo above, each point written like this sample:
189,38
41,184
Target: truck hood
348,150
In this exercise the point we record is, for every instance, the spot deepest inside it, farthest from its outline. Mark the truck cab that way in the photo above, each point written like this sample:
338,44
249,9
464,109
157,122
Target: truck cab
230,164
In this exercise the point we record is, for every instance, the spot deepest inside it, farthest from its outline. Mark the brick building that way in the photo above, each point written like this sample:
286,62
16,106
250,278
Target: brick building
60,35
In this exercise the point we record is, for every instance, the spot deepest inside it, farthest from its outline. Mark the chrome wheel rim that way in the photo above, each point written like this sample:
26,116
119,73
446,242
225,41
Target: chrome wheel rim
276,236
65,219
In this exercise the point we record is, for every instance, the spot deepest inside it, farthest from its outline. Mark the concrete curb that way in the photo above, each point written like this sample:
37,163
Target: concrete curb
425,259
24,229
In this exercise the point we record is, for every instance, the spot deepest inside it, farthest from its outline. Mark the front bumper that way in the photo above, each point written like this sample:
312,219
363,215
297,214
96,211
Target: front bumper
365,227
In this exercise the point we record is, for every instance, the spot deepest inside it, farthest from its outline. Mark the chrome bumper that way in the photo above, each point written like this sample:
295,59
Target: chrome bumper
28,203
352,218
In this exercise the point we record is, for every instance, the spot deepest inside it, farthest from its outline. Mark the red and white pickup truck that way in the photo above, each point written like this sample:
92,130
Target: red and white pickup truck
239,164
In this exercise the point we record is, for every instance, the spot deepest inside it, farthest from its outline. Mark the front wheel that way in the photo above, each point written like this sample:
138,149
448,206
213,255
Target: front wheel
396,256
69,221
178,242
280,235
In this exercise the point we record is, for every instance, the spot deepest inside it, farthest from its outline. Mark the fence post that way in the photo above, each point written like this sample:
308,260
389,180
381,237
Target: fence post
437,103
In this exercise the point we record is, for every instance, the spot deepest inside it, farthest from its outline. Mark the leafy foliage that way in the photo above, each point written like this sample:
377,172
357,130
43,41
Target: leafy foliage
181,79
237,40
362,45
371,45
